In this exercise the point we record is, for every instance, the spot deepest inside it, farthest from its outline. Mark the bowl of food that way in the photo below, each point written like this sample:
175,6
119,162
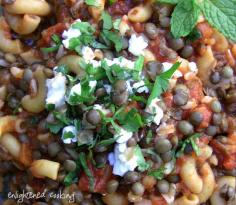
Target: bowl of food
117,102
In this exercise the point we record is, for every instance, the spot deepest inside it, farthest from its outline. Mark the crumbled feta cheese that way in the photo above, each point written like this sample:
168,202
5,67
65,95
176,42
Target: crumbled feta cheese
129,87
87,54
108,88
76,89
169,166
101,109
56,90
156,110
121,61
69,34
92,84
170,196
193,67
140,87
95,63
123,135
69,129
123,159
167,66
137,44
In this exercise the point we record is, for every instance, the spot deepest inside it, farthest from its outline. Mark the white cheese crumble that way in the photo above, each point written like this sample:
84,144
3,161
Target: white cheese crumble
69,129
76,89
137,44
140,87
92,84
56,90
153,108
87,54
193,67
123,159
69,34
121,61
101,108
108,88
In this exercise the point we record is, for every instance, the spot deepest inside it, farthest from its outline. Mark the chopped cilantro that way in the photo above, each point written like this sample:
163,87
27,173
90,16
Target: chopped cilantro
62,117
107,20
84,27
68,135
131,121
54,127
190,140
114,38
83,162
56,39
158,173
70,178
162,82
50,107
138,67
92,3
142,164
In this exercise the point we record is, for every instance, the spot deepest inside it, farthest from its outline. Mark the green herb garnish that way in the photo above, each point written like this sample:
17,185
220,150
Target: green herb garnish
56,39
158,173
92,3
162,82
142,164
83,162
107,20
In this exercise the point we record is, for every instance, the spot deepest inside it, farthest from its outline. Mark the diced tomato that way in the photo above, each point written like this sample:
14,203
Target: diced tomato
205,29
230,162
195,89
207,115
168,99
158,200
101,177
47,34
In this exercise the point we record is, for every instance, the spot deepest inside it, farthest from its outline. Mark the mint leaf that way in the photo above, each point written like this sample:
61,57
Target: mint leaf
107,20
142,164
138,67
194,35
221,14
162,82
158,173
54,127
92,3
50,107
184,18
70,178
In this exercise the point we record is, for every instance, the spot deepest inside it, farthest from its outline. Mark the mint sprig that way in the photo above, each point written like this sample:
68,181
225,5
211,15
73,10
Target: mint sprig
219,13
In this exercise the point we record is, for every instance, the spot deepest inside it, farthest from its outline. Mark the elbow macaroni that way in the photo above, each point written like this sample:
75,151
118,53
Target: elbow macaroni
35,7
192,199
36,104
140,14
6,43
25,24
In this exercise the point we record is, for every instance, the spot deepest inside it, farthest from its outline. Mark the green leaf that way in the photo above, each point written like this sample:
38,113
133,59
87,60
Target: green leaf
114,38
221,14
50,49
112,2
107,20
62,117
131,121
194,35
84,27
56,39
71,178
107,142
54,127
168,1
184,18
190,140
92,3
162,82
50,107
98,45
116,24
68,135
158,173
149,137
138,67
83,162
77,124
142,164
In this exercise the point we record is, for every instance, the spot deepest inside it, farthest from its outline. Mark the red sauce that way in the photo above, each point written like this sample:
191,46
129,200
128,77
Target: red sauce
119,8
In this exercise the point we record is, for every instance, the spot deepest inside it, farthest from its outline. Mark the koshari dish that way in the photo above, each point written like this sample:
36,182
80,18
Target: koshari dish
118,102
